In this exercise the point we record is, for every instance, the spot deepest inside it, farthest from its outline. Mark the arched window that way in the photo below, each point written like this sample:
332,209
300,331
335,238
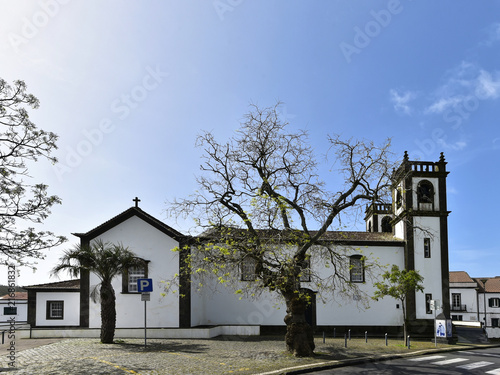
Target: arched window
370,226
357,269
399,199
425,192
386,224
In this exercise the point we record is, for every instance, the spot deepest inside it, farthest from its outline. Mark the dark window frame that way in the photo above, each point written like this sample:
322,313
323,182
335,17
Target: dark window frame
49,310
399,198
425,192
427,248
10,310
428,299
356,262
494,302
126,279
386,225
247,273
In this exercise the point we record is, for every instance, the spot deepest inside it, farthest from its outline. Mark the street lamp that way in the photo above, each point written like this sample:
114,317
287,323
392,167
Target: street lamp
484,295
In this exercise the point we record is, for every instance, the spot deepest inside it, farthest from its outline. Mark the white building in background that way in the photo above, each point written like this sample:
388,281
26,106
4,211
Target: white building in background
411,233
476,300
15,308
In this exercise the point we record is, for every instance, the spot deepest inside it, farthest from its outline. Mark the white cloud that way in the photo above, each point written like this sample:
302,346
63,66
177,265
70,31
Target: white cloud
442,104
465,83
455,146
495,31
401,100
487,87
493,35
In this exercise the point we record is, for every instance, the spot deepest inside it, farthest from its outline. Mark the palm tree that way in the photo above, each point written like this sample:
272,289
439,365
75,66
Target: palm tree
106,260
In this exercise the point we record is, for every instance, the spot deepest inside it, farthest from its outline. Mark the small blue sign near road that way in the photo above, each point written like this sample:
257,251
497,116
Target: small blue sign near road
144,285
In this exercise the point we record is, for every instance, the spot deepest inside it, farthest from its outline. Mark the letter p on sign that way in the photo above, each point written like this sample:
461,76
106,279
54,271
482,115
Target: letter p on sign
144,285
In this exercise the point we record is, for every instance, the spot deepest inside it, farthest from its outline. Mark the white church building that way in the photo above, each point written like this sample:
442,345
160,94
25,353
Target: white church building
411,233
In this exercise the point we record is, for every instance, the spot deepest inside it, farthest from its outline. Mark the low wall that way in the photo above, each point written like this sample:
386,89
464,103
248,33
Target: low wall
467,324
493,332
152,333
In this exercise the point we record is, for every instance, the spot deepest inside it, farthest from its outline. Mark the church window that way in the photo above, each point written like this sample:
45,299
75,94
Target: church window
357,269
55,310
130,277
425,192
386,224
248,269
427,247
370,226
428,299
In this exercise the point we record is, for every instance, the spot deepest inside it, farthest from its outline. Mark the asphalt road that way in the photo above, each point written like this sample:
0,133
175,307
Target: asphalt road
478,361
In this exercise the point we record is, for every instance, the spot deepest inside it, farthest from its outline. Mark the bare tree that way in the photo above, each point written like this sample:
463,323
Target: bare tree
263,205
21,142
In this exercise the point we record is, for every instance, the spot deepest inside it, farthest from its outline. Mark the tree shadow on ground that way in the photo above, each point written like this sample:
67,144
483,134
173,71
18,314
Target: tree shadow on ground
164,346
250,338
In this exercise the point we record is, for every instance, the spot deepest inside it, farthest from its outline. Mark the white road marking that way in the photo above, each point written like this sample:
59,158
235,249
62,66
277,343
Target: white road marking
474,365
494,372
479,353
428,358
450,361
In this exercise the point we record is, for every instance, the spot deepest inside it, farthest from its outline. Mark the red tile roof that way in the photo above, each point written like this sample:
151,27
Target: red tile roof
492,284
460,277
17,296
68,284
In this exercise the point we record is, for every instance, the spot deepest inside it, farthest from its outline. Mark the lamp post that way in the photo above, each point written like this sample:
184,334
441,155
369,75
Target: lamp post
484,299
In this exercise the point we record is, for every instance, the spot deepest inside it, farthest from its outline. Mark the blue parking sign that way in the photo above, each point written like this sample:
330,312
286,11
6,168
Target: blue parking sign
144,285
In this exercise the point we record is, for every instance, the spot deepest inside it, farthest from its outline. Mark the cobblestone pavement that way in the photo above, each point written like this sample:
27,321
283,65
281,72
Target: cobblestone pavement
215,356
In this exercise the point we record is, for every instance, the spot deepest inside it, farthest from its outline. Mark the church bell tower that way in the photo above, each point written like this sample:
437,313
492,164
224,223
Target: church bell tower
421,219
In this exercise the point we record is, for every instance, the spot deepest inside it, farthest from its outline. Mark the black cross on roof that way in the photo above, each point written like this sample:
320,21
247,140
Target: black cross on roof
136,200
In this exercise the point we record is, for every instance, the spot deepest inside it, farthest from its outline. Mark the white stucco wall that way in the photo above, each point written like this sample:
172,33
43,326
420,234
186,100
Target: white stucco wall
71,313
222,306
22,311
349,311
468,298
153,245
225,307
428,268
491,312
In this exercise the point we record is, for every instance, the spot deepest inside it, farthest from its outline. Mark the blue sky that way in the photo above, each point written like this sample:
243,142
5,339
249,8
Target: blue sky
128,85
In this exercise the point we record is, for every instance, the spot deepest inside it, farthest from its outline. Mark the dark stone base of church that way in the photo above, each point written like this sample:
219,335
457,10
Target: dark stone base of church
420,329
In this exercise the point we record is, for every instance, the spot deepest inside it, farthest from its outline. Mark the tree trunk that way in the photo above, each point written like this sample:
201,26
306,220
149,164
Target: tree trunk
108,313
299,335
405,324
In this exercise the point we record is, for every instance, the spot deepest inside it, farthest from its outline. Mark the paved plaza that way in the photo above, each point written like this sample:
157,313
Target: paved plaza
89,356
222,355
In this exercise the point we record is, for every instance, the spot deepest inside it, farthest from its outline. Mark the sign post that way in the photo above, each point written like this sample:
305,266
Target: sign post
145,286
437,329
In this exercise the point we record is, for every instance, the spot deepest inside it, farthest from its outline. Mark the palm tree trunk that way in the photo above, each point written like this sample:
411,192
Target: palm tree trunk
108,313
